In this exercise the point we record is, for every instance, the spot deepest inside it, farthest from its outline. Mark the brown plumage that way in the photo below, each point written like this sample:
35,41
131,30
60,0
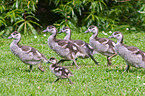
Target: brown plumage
59,71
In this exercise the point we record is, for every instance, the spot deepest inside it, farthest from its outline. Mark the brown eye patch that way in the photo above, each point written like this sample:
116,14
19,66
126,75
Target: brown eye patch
92,27
15,33
52,58
50,27
115,33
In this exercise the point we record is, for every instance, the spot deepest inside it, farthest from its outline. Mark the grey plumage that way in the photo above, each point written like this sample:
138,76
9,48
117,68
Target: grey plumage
64,48
26,54
88,49
132,55
102,45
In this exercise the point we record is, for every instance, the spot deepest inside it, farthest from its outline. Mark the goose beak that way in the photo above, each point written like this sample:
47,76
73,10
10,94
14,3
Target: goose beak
86,31
60,31
10,37
48,62
45,30
111,36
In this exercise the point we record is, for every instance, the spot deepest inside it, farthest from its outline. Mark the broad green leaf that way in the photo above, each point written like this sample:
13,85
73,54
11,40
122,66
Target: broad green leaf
19,22
17,4
34,23
2,32
32,28
29,16
29,12
3,23
20,27
25,28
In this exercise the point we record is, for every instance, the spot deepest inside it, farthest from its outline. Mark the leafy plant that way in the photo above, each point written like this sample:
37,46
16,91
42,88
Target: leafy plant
68,11
20,15
103,13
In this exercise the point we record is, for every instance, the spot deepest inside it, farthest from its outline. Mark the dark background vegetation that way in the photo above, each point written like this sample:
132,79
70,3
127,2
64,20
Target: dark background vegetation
32,16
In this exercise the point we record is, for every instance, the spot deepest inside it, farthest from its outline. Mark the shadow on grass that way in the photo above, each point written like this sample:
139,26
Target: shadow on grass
134,70
18,69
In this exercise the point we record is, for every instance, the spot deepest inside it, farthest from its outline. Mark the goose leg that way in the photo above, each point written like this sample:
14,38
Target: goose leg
127,68
73,62
70,81
40,68
76,63
109,59
31,68
89,53
56,80
93,59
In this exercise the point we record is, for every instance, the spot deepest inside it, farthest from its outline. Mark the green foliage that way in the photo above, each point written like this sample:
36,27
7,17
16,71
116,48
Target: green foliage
18,14
24,16
68,11
141,17
103,13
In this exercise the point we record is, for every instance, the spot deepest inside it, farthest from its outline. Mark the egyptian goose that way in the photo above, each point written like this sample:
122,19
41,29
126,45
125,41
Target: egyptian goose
26,54
59,71
102,45
89,50
64,48
132,55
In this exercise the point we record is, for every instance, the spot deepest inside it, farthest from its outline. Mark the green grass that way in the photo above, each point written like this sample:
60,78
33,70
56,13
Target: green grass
89,80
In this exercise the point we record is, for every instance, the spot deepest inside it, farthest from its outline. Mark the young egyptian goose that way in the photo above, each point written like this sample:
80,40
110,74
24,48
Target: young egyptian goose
132,55
89,50
59,71
26,54
64,48
102,45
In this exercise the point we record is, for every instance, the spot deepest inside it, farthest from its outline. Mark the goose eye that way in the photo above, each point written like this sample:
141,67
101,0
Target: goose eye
91,27
52,58
115,33
15,33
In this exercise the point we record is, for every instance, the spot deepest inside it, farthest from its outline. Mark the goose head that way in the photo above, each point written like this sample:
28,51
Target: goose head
51,29
92,29
66,30
52,60
118,35
16,35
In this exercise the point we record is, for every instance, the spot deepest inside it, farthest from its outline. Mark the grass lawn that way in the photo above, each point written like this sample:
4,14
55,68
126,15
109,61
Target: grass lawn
89,80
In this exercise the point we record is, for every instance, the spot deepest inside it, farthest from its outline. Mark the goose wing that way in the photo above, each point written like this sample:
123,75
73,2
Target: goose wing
32,50
70,45
106,41
136,51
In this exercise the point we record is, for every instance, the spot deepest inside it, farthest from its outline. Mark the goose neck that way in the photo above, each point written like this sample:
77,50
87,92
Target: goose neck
53,35
68,36
16,41
120,40
95,35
